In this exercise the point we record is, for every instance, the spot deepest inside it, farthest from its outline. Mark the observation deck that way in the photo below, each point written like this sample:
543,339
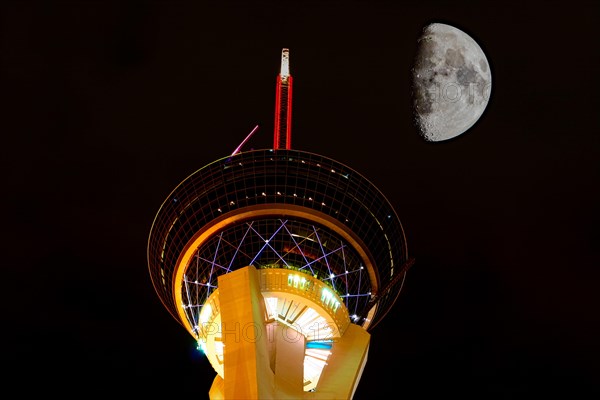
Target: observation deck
278,208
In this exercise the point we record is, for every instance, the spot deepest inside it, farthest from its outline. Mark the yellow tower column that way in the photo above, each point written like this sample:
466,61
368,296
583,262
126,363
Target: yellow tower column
264,360
288,355
247,373
344,367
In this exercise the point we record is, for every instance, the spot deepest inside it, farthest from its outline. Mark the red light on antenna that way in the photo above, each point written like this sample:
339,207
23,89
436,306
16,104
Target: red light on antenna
283,105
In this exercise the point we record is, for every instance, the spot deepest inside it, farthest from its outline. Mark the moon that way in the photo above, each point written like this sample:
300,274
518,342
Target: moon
451,82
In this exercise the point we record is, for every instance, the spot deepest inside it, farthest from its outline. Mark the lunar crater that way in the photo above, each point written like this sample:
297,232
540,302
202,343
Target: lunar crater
466,75
454,58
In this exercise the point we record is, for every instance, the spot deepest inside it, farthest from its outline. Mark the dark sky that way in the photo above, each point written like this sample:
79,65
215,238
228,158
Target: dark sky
107,106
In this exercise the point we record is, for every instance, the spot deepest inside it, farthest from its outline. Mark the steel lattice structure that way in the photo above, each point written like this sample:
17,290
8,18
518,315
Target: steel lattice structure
285,208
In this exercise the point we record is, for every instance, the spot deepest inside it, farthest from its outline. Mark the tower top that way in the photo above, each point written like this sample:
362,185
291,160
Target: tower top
283,105
285,65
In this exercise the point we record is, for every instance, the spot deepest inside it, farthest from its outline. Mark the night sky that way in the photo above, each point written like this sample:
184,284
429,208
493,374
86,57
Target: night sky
107,106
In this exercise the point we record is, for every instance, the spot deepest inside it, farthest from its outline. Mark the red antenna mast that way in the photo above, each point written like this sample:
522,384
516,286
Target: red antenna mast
283,105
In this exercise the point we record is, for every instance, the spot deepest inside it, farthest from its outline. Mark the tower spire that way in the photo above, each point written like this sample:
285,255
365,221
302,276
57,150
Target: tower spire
283,105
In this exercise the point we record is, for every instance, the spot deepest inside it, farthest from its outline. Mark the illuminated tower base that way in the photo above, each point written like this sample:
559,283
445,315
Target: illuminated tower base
267,357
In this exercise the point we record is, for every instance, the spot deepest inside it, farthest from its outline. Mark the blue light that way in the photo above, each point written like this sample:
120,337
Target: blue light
319,345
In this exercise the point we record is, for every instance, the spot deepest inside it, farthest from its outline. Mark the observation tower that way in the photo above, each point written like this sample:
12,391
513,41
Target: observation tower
279,262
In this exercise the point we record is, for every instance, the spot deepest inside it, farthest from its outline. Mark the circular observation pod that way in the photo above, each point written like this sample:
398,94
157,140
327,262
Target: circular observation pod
278,209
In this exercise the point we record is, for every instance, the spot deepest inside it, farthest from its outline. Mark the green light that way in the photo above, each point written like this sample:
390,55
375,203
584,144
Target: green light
201,346
328,299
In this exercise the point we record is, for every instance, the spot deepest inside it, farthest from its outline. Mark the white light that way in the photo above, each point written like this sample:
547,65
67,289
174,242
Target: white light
314,362
271,303
285,64
219,347
202,346
206,313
